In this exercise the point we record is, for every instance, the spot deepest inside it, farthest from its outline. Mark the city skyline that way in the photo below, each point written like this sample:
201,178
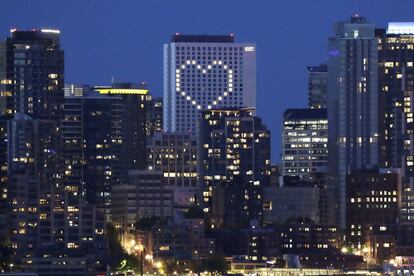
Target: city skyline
206,138
285,86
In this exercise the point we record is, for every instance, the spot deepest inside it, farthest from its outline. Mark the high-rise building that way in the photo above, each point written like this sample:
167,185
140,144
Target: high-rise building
282,205
175,155
89,129
60,228
352,103
35,202
31,78
204,72
232,143
182,238
134,101
372,202
35,70
236,204
146,195
304,142
104,137
317,86
396,73
154,116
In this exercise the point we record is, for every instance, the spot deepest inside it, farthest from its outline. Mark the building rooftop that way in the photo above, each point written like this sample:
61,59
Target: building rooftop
35,34
357,19
322,68
305,113
203,38
400,28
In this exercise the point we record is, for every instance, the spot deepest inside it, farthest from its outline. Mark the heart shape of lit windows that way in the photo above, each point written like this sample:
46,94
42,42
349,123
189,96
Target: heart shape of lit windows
204,70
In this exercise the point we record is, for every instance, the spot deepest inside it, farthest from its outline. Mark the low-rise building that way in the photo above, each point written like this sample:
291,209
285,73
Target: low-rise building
182,238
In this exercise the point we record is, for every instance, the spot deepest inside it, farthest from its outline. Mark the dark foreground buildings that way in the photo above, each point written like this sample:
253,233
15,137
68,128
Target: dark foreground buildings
52,229
234,150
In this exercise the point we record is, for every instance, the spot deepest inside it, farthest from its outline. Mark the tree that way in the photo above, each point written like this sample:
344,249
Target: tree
194,212
216,263
5,251
119,258
146,224
179,266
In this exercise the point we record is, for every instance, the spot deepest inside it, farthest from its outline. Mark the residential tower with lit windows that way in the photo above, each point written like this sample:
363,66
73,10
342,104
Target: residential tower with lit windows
396,92
50,224
234,147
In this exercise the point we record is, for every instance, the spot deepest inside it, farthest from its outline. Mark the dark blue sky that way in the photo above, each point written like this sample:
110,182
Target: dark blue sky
123,38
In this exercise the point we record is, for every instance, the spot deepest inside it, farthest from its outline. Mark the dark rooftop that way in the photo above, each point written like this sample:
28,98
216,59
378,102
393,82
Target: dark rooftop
203,38
305,113
35,34
319,68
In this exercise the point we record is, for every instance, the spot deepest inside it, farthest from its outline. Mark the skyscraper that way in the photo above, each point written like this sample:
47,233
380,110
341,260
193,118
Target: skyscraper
233,143
396,71
352,103
204,72
372,201
154,116
91,125
175,155
134,99
104,135
50,225
35,199
35,66
317,86
31,78
304,142
147,194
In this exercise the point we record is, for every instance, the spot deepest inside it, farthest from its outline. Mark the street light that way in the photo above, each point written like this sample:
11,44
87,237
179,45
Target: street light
141,249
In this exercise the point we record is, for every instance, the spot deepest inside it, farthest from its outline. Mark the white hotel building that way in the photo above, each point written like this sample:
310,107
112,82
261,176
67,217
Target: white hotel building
204,72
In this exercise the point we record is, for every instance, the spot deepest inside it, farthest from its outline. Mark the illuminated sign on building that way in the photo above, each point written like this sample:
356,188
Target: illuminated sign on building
117,91
400,28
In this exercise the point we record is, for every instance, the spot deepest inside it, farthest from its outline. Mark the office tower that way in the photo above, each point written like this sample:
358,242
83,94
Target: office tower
304,142
35,201
175,155
182,238
3,178
352,103
31,74
104,137
90,128
35,68
132,136
274,175
396,73
61,229
372,202
154,194
289,203
147,194
49,226
204,72
317,86
232,142
154,116
236,204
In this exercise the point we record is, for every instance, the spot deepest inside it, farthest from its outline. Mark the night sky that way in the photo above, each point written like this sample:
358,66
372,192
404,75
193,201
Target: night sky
123,38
